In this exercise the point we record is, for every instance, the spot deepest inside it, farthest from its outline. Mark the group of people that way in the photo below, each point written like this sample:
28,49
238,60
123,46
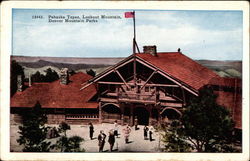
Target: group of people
113,133
111,138
147,130
102,136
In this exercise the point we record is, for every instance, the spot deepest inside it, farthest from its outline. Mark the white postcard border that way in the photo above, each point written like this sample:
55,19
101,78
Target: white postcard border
6,38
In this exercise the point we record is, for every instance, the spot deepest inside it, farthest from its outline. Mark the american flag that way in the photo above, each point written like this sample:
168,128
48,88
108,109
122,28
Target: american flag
129,14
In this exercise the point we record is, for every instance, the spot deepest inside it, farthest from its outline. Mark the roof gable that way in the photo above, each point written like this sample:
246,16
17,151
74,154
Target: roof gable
180,67
174,65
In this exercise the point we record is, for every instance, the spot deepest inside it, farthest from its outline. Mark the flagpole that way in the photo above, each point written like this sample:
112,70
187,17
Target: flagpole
134,40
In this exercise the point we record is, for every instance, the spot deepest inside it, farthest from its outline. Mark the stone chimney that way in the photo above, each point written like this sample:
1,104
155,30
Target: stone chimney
19,83
64,76
150,50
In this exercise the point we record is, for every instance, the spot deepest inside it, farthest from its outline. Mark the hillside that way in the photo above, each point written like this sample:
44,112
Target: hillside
43,63
67,60
224,68
33,64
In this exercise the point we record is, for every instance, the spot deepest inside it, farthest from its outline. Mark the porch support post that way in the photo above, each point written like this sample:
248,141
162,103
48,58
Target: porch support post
150,115
100,112
122,113
134,66
159,115
131,115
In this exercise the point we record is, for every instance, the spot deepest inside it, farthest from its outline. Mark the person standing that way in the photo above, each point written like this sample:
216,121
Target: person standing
145,132
91,130
111,139
101,140
126,131
116,129
136,123
151,129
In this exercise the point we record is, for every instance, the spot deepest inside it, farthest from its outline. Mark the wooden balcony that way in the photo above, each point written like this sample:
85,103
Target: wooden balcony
137,98
133,97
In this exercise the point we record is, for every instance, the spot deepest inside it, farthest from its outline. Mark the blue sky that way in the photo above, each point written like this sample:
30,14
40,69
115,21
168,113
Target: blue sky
214,35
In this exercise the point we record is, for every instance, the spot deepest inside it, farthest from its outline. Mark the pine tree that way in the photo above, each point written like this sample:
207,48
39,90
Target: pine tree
174,140
51,75
38,77
71,144
205,126
16,70
63,127
33,131
91,72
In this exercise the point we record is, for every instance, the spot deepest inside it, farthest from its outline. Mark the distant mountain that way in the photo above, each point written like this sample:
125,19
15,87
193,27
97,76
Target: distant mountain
214,64
33,64
224,68
43,63
68,60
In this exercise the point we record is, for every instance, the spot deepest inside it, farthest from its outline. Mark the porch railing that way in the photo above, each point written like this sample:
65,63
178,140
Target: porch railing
81,116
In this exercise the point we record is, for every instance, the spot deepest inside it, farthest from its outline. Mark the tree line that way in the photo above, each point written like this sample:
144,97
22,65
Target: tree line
49,76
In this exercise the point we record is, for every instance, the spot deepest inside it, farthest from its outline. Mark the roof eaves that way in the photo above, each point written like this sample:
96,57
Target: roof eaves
91,81
194,91
112,67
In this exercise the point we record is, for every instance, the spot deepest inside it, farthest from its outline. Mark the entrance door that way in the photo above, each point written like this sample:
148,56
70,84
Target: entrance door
142,115
111,111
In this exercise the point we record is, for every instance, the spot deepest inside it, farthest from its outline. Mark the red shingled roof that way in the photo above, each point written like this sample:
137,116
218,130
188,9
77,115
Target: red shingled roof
181,67
56,95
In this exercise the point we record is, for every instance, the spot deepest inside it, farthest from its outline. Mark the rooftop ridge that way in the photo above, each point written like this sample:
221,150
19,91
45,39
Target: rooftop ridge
171,52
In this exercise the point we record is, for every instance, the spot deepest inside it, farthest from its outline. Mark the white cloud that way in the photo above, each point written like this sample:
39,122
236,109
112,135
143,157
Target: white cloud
192,39
116,35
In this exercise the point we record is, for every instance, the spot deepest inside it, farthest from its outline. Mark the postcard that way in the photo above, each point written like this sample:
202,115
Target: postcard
125,80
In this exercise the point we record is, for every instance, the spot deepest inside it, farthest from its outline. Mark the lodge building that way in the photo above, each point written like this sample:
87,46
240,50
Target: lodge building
150,87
